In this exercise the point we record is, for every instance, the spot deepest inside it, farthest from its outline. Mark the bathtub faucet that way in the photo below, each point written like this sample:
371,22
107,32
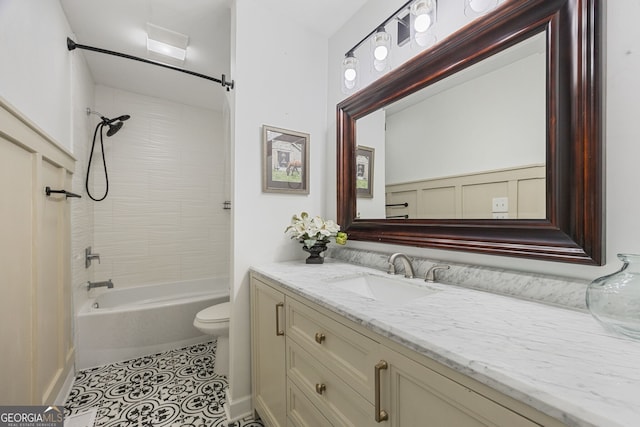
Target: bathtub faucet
107,283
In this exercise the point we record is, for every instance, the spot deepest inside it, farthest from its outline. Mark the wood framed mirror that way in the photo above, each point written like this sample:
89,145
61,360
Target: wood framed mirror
571,227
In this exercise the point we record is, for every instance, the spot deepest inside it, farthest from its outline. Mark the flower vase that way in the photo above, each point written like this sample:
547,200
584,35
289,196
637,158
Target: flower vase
614,300
314,252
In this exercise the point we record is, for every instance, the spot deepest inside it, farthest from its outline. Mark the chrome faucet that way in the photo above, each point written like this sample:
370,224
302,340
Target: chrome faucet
107,283
431,273
88,257
408,269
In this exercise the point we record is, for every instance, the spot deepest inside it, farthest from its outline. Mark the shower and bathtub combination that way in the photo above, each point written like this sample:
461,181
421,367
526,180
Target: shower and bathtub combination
121,324
158,219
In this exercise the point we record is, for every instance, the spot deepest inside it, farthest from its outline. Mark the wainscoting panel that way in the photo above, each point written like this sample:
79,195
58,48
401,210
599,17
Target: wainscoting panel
470,196
37,351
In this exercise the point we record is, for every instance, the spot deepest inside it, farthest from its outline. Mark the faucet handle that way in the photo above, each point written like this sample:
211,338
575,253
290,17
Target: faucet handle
88,257
431,273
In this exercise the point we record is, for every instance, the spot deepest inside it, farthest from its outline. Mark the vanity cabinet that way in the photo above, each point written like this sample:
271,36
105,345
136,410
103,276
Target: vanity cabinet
335,372
415,395
330,363
268,353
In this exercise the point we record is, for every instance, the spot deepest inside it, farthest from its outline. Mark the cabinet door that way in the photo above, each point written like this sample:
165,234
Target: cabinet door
414,395
268,353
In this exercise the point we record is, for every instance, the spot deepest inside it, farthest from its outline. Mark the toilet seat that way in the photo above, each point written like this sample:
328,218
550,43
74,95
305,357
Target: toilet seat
218,313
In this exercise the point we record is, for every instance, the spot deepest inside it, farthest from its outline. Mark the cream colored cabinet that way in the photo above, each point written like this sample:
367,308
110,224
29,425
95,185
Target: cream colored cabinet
339,373
268,353
414,395
346,352
301,411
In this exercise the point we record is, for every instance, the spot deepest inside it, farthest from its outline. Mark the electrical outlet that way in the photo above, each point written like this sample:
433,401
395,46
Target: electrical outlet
500,204
500,215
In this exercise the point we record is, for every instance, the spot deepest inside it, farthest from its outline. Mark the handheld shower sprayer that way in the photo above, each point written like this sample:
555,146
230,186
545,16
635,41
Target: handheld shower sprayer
114,126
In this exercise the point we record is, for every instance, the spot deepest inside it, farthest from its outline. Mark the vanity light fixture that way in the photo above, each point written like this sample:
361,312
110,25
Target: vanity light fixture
474,8
350,73
167,43
380,46
422,14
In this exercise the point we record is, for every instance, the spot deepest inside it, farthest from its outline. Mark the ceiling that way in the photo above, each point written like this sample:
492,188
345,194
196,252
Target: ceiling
120,25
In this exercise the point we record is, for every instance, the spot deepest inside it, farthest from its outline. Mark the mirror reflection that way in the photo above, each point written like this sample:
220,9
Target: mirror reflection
471,146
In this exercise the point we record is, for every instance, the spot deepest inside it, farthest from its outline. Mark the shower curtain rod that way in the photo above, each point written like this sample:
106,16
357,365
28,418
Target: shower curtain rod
71,45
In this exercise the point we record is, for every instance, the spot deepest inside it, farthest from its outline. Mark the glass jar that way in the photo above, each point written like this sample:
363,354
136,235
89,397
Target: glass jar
614,300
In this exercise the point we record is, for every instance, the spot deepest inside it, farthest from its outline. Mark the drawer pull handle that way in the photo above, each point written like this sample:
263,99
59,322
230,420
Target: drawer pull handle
279,331
320,337
320,388
381,414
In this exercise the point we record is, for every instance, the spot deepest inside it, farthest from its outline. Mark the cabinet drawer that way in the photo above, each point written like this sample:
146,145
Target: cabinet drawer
349,354
301,412
333,397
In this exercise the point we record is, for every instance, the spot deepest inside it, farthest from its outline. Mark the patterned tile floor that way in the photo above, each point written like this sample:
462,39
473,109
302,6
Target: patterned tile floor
175,388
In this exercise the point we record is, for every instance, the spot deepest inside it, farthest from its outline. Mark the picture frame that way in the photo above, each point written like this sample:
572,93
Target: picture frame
364,171
285,161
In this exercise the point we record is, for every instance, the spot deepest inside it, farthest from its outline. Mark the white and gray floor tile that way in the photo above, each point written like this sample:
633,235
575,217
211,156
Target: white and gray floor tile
175,388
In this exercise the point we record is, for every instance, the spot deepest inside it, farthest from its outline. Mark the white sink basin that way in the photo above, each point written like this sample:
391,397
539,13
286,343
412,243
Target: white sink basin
382,288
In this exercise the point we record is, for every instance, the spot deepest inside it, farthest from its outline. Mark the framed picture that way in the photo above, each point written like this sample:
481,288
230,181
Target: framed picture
285,161
364,171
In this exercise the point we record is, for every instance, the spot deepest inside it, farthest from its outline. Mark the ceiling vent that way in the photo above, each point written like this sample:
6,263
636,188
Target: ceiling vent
163,44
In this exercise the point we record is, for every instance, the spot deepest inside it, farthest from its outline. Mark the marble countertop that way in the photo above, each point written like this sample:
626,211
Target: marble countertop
559,361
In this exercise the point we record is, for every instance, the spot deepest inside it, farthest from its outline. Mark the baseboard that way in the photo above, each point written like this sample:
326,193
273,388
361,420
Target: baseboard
236,409
63,394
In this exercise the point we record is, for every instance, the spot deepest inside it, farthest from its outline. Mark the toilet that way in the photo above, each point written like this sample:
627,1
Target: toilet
214,321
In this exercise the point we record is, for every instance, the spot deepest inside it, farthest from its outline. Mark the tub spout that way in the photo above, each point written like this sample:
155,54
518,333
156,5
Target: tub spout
107,283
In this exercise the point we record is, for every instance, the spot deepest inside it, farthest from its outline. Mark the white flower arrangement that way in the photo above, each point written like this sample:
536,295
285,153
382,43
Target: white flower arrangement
311,230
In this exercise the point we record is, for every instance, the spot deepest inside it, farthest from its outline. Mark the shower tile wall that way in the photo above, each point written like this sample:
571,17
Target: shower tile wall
82,96
163,219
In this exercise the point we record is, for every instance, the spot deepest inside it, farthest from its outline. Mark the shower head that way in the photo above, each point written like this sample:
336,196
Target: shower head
114,124
121,119
114,128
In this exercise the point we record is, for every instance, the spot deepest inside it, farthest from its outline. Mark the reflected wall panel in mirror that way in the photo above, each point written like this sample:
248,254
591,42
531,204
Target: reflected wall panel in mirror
539,193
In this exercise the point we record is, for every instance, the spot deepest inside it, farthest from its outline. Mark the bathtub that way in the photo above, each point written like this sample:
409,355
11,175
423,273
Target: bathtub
122,324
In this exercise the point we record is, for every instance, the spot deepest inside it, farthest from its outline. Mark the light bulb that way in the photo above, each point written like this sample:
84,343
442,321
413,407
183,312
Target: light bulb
381,42
422,10
350,74
422,23
380,53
